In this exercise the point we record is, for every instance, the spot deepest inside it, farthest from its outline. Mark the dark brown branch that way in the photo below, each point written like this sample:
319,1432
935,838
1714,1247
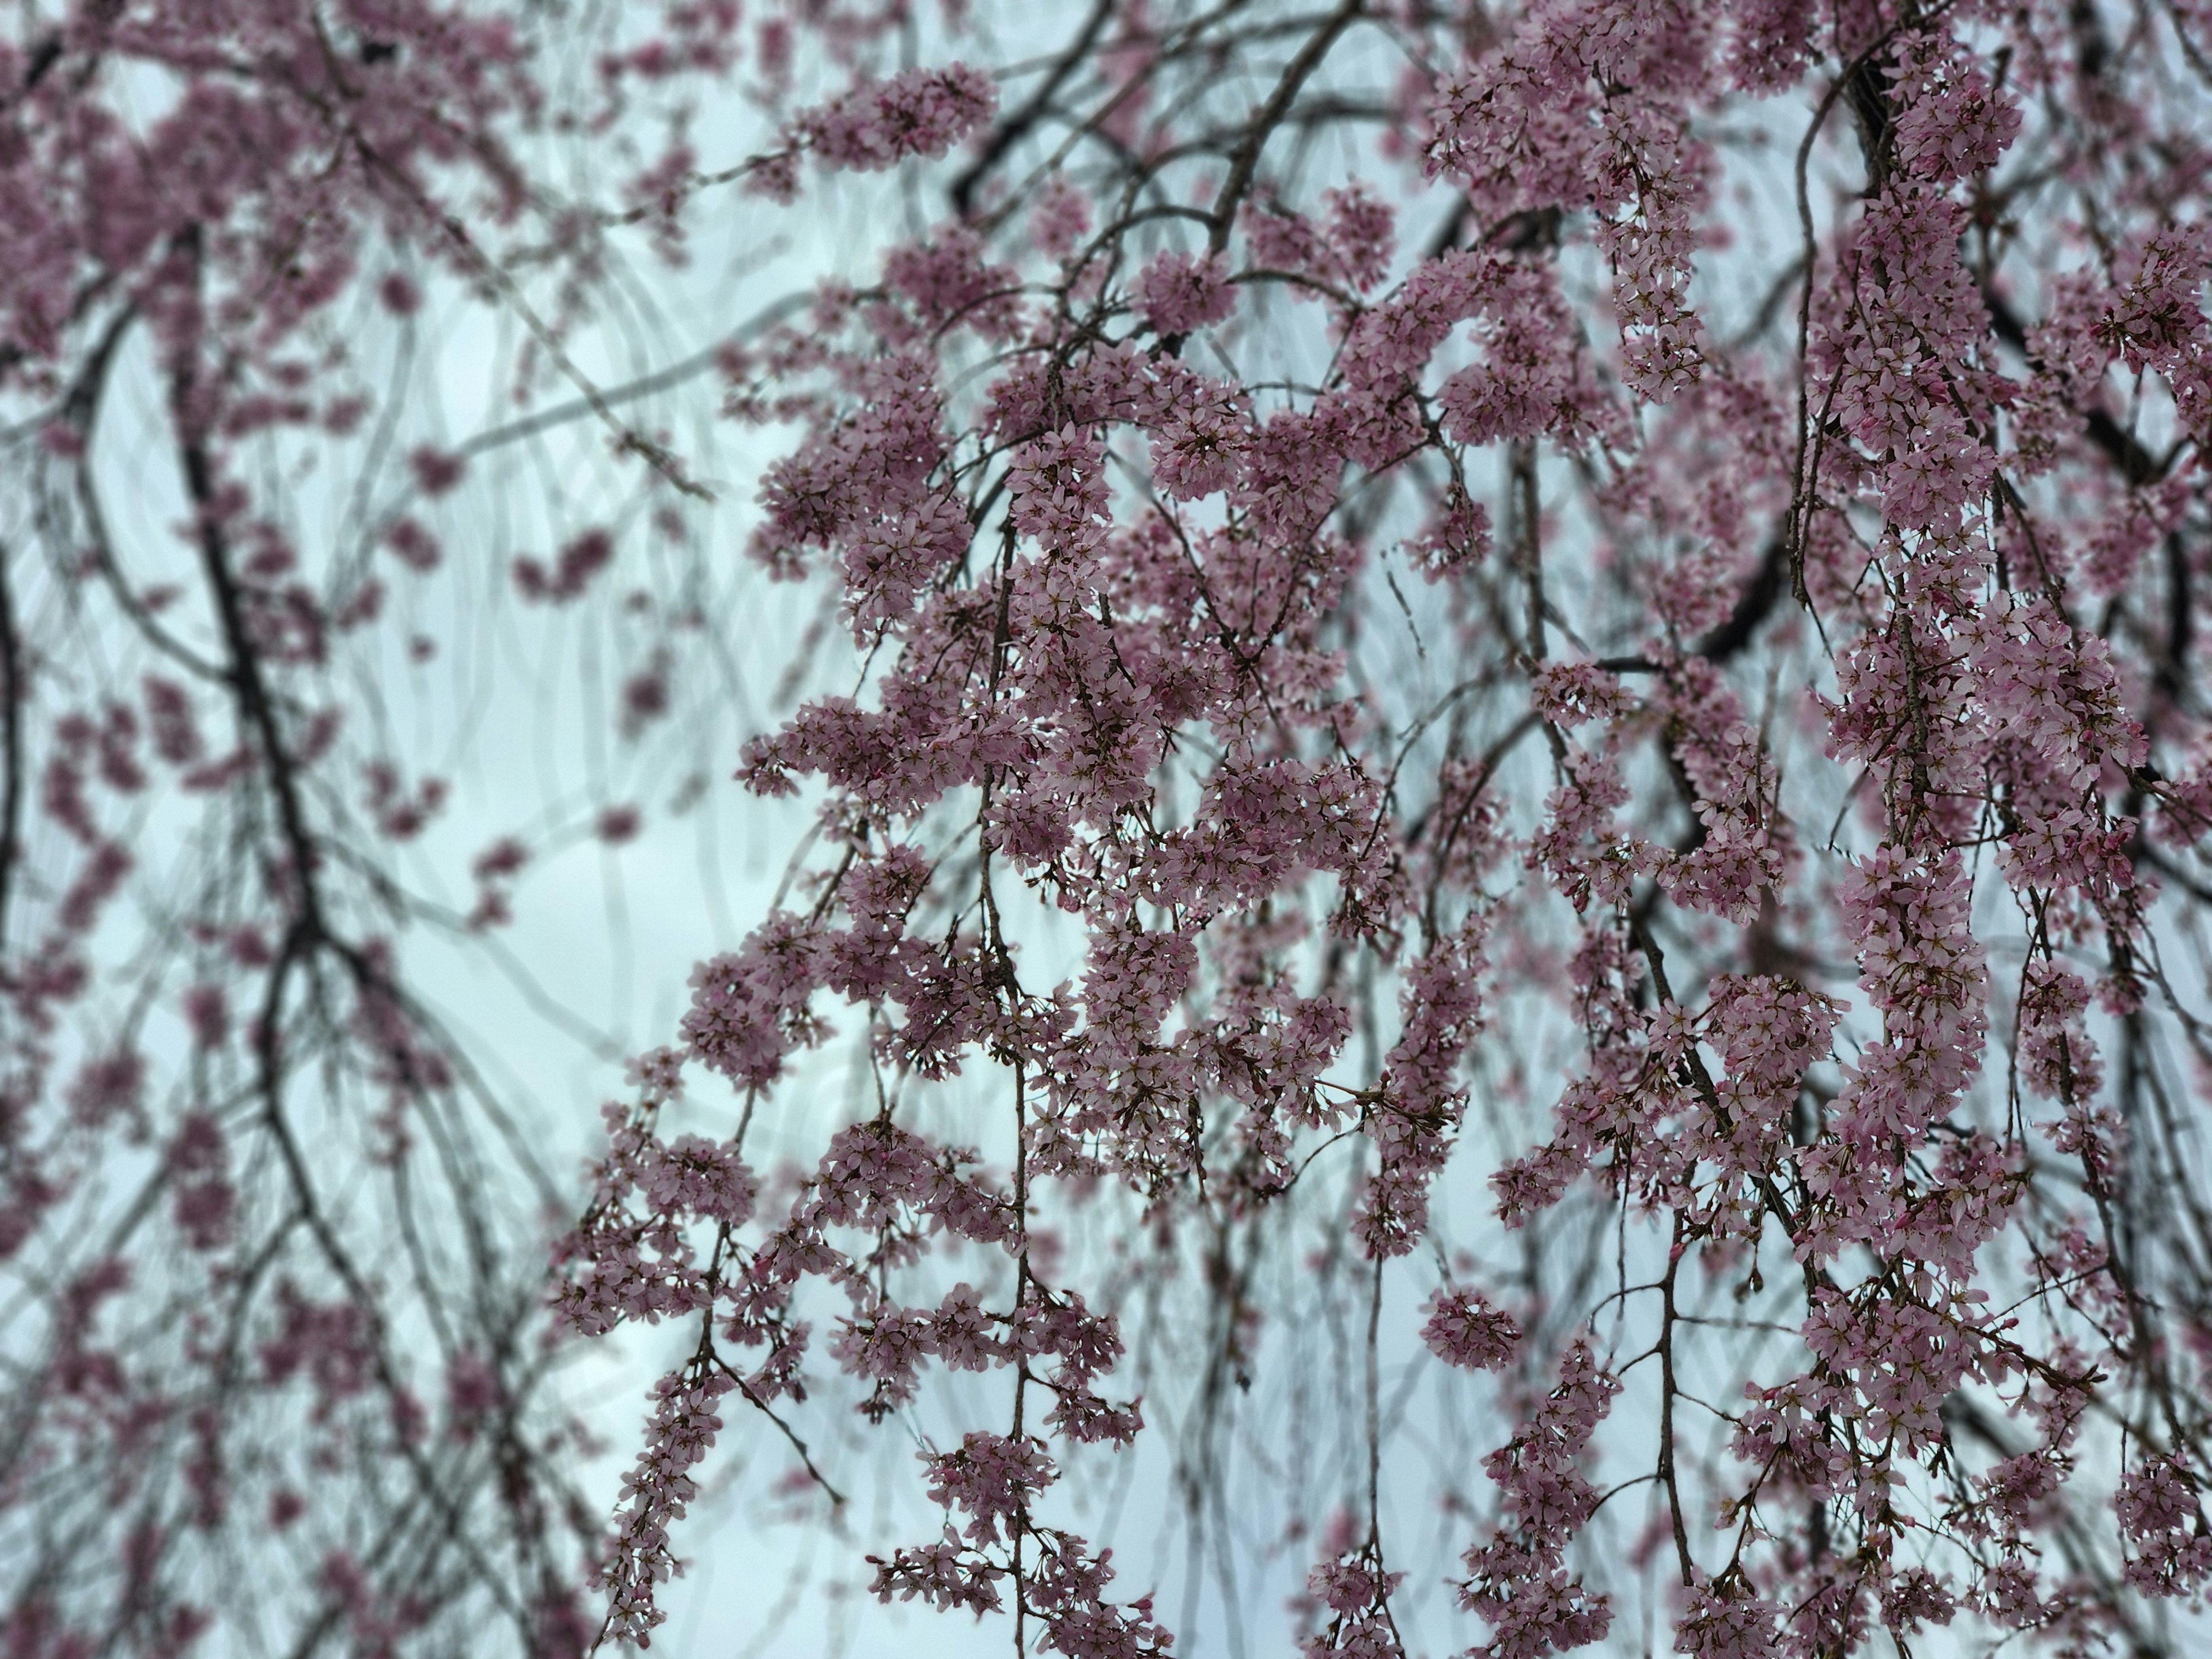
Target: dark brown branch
2137,464
1753,606
1016,126
1246,159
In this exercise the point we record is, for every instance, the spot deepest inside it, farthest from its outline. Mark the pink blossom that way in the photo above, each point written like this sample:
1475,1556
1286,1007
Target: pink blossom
1463,1329
919,113
1179,292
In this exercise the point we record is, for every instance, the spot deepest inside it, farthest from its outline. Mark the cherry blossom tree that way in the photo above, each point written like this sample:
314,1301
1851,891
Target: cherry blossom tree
273,1238
1504,705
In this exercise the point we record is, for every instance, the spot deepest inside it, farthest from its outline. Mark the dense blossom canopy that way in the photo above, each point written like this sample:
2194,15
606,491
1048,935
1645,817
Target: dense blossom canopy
1541,658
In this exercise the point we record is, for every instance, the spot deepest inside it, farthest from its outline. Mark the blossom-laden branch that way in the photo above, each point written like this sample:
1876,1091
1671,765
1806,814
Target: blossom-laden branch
1116,531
